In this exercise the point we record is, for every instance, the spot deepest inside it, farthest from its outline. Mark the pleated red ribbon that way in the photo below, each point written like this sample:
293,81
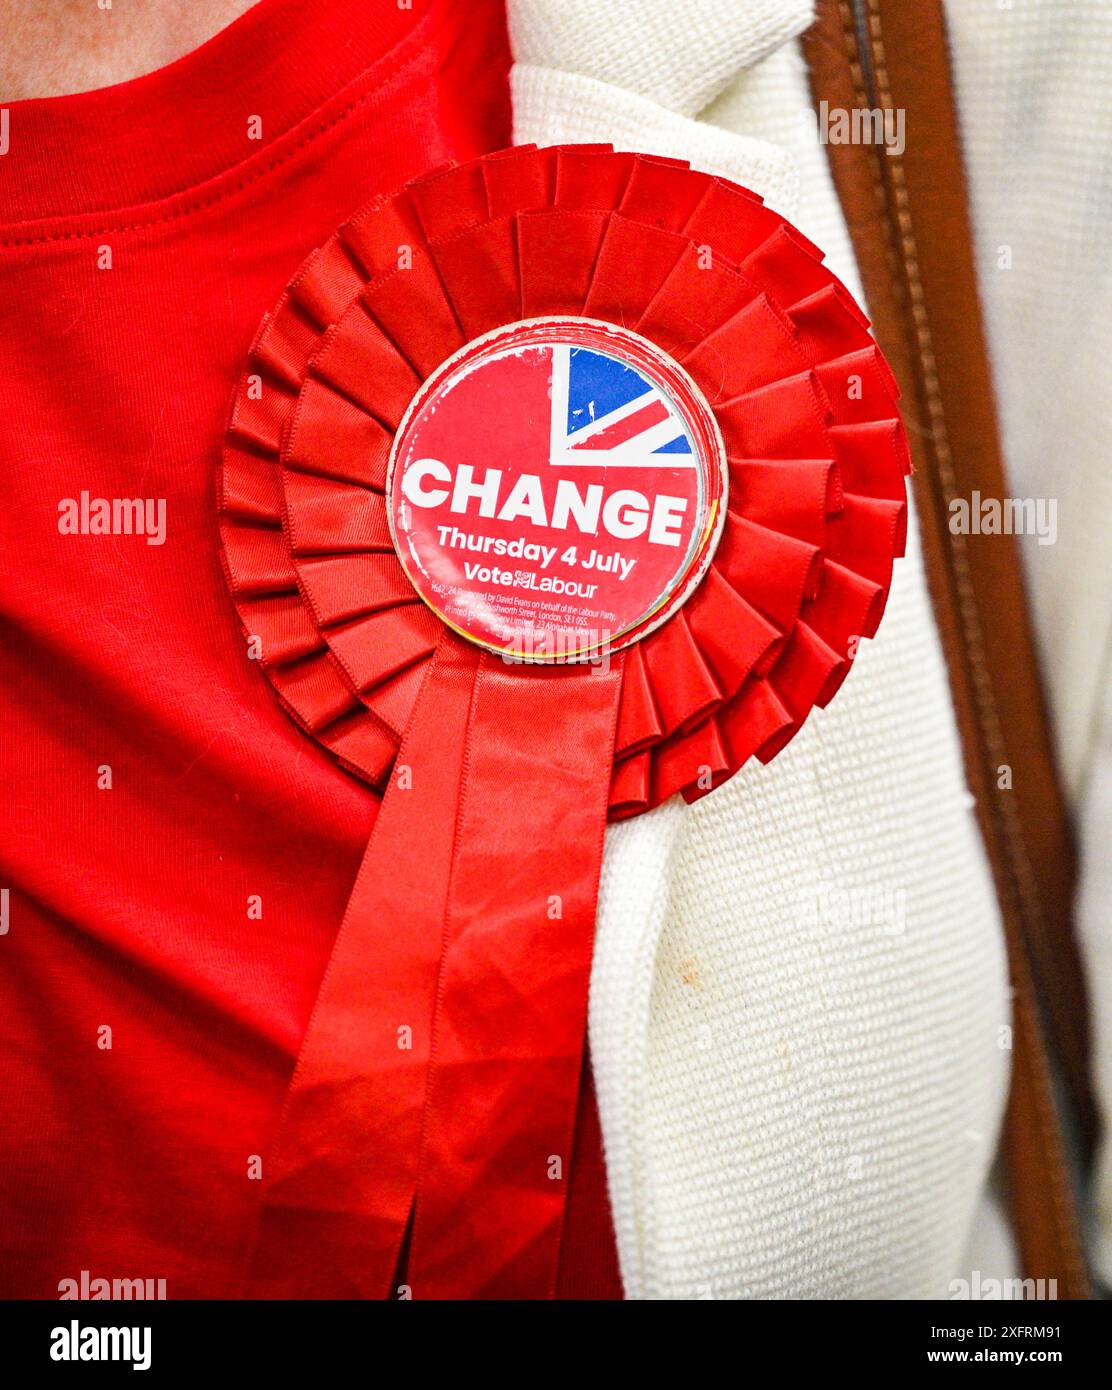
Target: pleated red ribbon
435,1090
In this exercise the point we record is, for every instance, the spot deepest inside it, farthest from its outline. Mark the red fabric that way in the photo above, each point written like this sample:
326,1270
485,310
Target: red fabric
815,512
499,800
512,999
131,904
588,1255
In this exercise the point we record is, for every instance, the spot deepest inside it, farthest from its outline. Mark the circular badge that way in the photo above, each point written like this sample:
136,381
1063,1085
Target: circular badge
556,489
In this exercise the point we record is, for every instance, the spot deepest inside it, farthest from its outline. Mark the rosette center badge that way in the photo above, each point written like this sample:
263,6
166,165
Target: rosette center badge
556,489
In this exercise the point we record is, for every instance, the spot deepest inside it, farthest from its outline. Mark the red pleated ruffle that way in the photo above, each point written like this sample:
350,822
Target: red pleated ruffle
806,404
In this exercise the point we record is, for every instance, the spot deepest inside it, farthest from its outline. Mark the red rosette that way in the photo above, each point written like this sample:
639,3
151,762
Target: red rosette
699,266
516,769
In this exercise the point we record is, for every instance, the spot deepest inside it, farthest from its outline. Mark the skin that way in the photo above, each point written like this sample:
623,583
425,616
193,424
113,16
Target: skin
55,47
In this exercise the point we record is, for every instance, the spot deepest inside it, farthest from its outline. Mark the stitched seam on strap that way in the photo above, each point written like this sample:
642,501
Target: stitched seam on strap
1018,864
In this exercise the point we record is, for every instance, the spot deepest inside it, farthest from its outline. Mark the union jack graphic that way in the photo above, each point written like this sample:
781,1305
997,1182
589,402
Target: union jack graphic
607,412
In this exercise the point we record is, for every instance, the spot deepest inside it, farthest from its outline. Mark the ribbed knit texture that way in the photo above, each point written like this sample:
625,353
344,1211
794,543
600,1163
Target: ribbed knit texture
1035,95
568,108
677,55
800,1090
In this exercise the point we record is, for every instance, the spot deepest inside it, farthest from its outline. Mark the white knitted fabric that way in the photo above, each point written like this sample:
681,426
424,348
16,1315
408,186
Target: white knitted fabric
679,55
1034,85
798,1003
569,108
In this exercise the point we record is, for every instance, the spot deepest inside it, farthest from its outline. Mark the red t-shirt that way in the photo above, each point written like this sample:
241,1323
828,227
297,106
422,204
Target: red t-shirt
178,854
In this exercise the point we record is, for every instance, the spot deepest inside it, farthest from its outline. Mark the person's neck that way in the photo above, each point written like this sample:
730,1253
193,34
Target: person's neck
64,46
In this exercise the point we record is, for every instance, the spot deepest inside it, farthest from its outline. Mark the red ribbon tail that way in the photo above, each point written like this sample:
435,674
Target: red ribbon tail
339,1175
439,1075
512,1009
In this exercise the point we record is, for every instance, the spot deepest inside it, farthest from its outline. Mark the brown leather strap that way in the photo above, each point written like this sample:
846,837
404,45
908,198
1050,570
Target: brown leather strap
909,220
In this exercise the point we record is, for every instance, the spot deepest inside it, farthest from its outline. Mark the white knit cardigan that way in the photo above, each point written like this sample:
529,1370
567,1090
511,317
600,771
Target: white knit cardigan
799,1007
